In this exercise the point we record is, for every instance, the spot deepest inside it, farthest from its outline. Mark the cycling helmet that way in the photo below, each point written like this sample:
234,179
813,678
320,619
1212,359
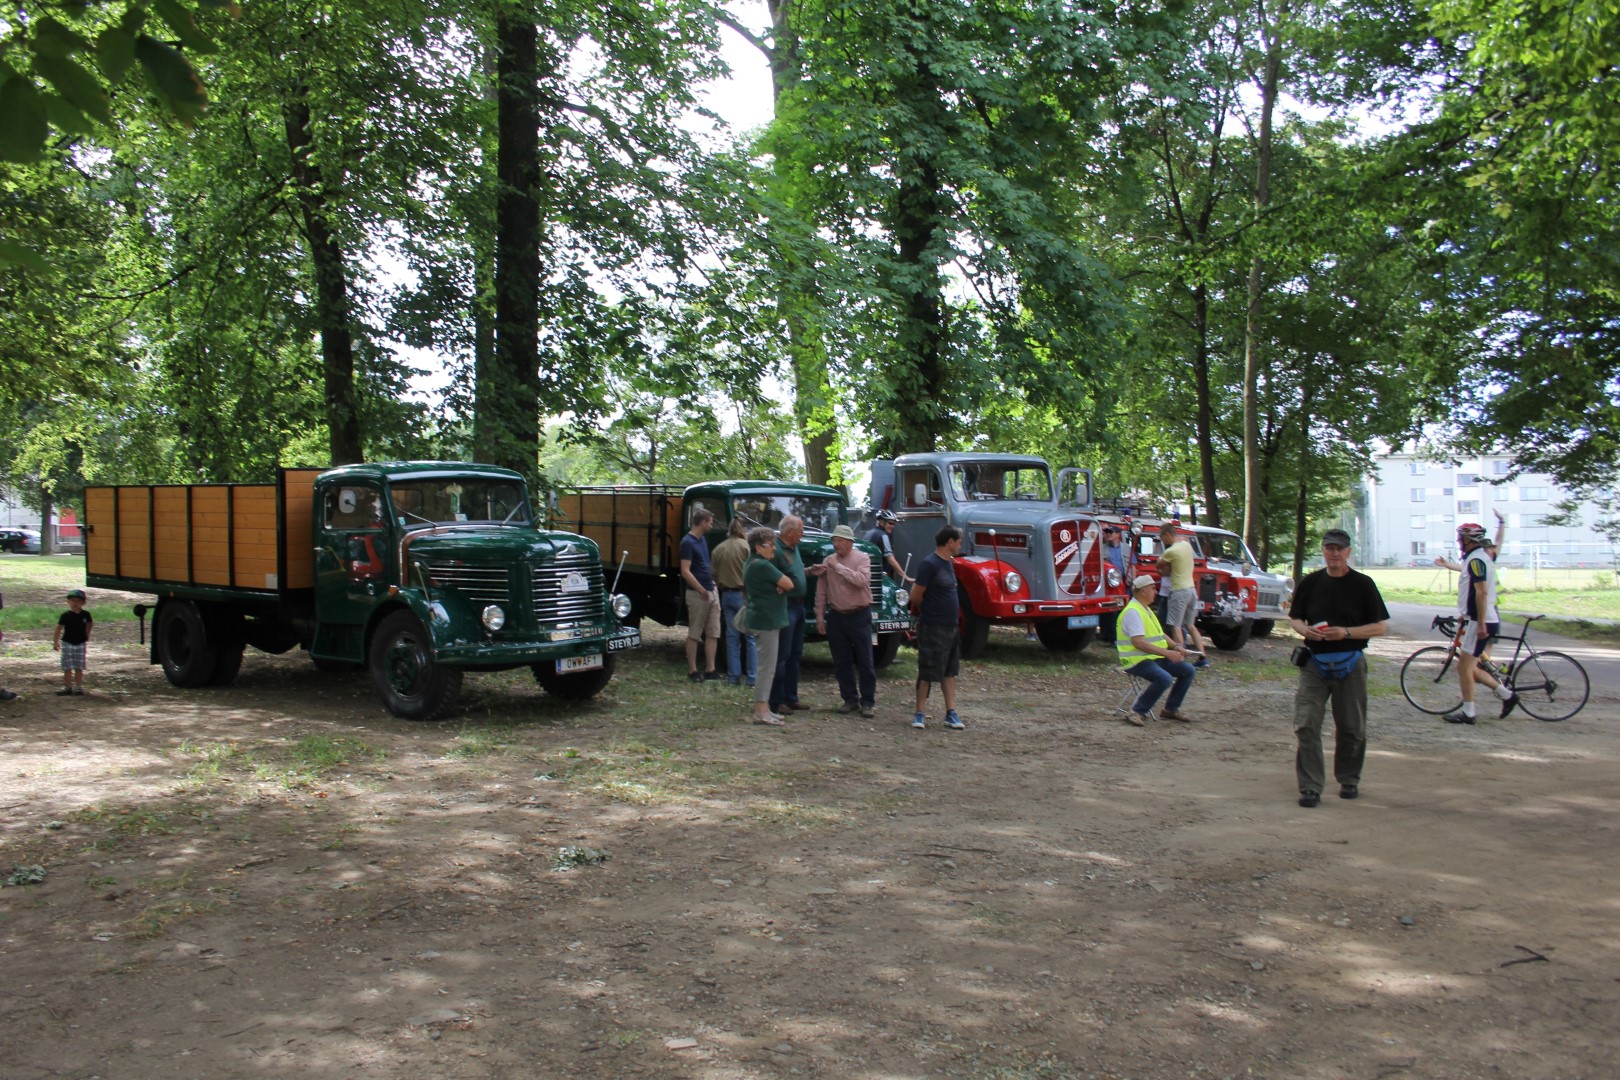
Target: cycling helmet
1470,531
887,515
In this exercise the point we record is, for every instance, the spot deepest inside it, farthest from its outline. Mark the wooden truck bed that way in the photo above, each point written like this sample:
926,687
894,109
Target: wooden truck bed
643,519
154,537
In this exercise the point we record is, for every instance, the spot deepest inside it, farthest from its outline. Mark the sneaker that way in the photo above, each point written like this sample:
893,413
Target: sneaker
867,712
694,676
1203,662
848,707
1032,636
66,691
919,721
1510,703
1458,717
954,722
78,691
712,676
7,695
1349,791
1309,799
750,684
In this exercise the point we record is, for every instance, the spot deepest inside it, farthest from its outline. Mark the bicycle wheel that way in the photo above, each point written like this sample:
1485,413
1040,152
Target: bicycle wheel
1429,681
1551,686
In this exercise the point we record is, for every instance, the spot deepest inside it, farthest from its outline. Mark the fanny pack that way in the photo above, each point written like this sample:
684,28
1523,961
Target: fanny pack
1334,666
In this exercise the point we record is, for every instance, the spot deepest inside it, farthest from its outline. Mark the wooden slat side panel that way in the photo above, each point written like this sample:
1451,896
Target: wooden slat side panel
101,544
298,539
210,529
254,538
134,532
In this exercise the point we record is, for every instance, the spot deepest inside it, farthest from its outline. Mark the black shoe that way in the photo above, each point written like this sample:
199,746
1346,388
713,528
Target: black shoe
694,676
66,691
712,676
1348,791
1309,799
1510,704
7,695
1458,717
848,707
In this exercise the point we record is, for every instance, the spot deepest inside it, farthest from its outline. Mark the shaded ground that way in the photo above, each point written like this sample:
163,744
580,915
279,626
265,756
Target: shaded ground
280,877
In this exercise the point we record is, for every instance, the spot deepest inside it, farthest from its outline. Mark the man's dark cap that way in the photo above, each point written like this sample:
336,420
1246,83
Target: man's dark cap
1336,538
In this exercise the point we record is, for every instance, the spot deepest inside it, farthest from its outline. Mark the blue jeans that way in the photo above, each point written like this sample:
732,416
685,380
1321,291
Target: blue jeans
731,602
850,638
785,686
1159,674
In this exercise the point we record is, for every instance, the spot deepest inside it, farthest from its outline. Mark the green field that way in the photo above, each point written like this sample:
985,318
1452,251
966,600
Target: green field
1578,602
34,586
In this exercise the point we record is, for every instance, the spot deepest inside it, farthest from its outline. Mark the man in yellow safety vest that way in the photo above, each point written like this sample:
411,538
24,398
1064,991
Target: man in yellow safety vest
1147,653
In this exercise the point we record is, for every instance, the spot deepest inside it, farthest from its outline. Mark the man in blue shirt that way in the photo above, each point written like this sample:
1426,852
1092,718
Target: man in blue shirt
934,602
702,598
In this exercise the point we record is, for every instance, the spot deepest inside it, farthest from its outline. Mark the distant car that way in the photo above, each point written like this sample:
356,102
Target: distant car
19,541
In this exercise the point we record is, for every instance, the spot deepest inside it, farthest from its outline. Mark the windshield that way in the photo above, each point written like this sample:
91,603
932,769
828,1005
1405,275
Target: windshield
820,513
1227,546
443,501
990,480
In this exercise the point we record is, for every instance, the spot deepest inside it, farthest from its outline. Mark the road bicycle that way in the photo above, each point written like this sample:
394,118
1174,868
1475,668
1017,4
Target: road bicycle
1551,685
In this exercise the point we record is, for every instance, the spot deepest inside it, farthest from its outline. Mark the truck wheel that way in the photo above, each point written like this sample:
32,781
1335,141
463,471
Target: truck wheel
1060,639
1231,638
576,685
228,666
888,647
412,685
1263,627
975,631
180,640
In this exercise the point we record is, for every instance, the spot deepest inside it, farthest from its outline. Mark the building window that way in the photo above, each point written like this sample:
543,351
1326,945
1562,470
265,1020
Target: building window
1416,468
1467,506
1533,494
1420,547
1500,494
1501,468
1420,521
1449,519
1420,494
1447,491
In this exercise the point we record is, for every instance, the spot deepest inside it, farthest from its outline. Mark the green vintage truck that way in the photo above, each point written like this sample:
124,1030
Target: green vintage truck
638,528
418,571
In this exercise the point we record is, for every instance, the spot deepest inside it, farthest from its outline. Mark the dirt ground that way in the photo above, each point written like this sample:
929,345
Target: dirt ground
277,877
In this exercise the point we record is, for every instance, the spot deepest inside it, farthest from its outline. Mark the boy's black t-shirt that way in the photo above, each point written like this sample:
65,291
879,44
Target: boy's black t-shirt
75,627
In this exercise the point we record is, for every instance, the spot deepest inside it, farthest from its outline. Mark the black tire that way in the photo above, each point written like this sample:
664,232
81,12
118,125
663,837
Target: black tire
412,685
180,640
1263,627
1058,638
975,631
1551,686
225,630
887,648
228,666
1231,638
576,685
1429,681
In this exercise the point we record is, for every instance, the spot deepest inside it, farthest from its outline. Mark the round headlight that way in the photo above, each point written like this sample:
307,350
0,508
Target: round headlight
1288,586
621,605
494,617
1114,577
1013,581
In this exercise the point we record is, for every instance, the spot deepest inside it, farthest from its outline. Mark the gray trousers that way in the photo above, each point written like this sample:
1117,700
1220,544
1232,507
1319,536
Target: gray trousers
1349,698
767,641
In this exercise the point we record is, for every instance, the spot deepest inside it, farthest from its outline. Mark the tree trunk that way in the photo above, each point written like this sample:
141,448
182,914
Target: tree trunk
920,405
1253,509
1203,419
507,426
47,534
332,313
812,390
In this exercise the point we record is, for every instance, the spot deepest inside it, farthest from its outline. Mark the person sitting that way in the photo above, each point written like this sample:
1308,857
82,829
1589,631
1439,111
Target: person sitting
1146,652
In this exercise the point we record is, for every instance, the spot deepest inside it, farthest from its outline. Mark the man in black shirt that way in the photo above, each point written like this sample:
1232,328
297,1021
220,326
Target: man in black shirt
1335,609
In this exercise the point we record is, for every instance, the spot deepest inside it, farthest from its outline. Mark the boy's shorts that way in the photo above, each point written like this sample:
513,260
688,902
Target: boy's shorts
73,656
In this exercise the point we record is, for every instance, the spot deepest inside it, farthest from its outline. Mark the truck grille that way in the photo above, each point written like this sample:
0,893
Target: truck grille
484,584
553,605
877,585
1270,601
1207,588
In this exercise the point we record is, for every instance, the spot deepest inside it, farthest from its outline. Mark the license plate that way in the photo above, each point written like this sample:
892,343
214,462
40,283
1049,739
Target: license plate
892,626
628,638
579,663
1082,622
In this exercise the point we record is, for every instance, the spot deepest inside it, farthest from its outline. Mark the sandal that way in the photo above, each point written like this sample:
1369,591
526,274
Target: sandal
770,721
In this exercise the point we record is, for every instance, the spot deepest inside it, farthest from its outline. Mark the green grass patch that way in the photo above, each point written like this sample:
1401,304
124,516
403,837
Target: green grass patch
298,765
484,740
1575,593
792,816
123,821
1597,633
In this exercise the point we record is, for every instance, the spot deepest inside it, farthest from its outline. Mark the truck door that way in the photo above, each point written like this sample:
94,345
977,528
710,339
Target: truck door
1074,488
921,506
351,554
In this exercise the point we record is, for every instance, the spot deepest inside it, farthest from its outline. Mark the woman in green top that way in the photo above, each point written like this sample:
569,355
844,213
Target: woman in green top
765,615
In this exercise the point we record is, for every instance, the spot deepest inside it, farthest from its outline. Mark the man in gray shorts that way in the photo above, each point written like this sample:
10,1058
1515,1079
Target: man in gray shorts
1176,570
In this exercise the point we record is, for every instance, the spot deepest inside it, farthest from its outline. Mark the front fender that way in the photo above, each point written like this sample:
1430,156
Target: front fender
447,618
981,582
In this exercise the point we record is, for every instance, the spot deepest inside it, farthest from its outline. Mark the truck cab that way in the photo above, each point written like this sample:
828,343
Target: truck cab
1227,595
1225,550
1031,548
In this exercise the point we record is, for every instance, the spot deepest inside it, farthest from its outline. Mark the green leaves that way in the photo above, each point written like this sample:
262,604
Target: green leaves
171,75
22,120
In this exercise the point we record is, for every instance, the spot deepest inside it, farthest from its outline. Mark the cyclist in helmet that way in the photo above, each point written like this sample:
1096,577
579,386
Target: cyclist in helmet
879,535
1476,608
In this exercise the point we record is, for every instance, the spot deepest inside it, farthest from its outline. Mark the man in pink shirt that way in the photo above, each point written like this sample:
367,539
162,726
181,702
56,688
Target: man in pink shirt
844,615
